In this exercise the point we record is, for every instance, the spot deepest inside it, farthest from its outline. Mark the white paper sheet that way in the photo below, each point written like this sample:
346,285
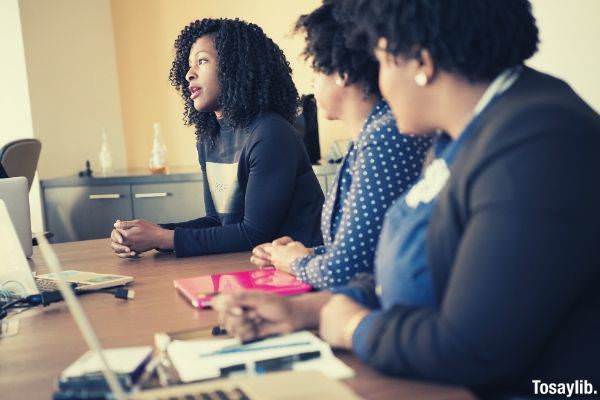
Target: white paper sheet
122,360
193,359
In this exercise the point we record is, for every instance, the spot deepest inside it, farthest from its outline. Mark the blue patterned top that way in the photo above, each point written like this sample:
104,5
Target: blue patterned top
378,168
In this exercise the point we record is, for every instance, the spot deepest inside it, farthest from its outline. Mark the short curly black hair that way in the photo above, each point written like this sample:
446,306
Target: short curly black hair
254,75
474,38
325,46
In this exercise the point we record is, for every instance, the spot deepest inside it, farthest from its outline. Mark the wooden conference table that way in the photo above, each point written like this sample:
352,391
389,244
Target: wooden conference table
48,339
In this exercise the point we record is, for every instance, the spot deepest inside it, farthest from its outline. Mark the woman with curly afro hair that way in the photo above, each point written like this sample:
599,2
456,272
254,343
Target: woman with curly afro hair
380,165
238,93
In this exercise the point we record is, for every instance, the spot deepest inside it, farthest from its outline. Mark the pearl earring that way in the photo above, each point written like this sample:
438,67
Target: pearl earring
421,79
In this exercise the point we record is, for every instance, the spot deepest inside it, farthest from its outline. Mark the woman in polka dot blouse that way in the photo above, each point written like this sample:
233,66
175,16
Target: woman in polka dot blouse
381,164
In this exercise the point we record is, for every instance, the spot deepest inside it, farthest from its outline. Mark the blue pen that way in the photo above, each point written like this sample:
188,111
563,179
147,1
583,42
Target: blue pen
242,348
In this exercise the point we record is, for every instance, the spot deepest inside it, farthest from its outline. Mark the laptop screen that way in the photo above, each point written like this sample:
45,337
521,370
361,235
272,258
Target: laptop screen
15,275
3,173
15,193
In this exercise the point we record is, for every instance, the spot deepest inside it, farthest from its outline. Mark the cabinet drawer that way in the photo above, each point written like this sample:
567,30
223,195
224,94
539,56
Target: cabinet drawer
85,212
168,202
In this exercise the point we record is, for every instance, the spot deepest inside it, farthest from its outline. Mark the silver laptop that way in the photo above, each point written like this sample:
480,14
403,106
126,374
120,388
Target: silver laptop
15,275
15,193
16,279
275,386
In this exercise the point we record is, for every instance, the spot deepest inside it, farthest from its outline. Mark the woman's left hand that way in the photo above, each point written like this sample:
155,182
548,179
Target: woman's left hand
282,256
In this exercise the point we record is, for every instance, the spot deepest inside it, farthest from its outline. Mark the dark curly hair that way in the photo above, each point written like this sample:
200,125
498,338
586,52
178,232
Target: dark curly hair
325,46
254,75
474,38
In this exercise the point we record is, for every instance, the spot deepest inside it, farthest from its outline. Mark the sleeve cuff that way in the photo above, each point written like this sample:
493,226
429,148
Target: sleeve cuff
181,243
357,294
299,266
354,293
360,337
319,250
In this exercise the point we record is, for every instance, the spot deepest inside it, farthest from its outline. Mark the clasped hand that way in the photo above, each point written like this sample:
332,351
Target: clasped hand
280,253
129,238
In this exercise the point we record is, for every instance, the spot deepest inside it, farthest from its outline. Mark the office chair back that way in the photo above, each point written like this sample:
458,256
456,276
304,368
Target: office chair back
20,158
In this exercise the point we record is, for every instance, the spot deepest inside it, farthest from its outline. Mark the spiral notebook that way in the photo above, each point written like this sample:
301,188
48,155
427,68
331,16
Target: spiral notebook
201,289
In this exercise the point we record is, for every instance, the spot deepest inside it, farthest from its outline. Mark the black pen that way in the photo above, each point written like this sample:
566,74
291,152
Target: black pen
218,331
285,362
272,364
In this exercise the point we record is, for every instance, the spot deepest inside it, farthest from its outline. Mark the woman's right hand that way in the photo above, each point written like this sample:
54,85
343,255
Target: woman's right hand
250,315
260,255
119,245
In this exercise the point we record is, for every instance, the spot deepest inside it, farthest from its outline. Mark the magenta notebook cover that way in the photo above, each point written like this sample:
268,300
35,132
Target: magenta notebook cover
200,290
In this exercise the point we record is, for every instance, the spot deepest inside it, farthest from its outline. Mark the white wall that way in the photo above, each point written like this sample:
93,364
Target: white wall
569,34
15,111
71,66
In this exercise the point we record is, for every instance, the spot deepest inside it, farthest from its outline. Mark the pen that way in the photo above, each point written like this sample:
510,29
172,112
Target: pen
148,371
163,379
285,362
272,364
259,339
245,348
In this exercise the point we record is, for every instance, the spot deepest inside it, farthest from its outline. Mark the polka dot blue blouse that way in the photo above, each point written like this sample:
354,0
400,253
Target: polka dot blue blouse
378,168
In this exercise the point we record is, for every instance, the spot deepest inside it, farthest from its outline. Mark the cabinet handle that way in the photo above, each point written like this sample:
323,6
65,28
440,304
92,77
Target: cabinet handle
150,195
105,196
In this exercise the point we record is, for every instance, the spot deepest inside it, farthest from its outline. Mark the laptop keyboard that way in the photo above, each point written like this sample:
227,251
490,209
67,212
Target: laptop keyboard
46,285
235,394
49,285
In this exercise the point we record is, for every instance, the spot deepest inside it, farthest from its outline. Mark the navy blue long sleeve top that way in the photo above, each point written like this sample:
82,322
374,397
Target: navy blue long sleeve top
259,185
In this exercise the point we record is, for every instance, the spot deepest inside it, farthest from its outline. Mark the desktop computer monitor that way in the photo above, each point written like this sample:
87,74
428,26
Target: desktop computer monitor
307,125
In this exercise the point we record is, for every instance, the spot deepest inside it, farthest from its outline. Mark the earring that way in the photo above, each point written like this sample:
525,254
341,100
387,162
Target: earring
421,79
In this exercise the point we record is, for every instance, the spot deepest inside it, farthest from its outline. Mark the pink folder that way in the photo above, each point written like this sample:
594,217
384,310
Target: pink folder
201,289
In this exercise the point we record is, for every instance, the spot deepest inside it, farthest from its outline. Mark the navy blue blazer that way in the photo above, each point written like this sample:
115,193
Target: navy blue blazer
514,252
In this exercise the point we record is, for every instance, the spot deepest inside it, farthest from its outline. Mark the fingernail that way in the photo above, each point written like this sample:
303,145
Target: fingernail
120,240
